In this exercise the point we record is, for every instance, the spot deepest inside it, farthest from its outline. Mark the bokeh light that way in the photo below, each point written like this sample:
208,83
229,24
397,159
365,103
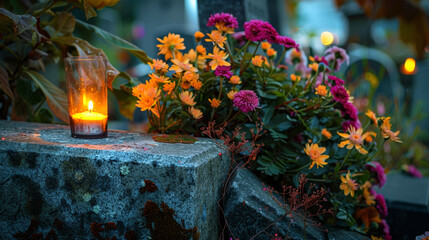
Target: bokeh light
327,38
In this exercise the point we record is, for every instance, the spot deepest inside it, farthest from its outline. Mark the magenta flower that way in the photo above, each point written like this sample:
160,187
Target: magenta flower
223,18
246,100
240,37
379,170
321,60
386,229
354,123
337,81
287,42
337,55
349,111
257,30
340,94
224,71
381,205
414,171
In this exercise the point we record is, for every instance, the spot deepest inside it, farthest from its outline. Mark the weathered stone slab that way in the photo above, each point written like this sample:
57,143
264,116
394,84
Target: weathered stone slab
46,174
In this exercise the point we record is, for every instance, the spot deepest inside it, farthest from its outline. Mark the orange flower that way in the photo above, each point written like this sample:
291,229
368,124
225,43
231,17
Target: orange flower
170,45
222,28
147,94
368,215
265,45
187,98
348,185
215,103
235,80
387,133
185,84
218,58
257,60
180,66
196,113
295,78
99,4
159,66
189,75
354,139
271,52
198,36
313,66
369,198
191,55
231,94
371,115
370,137
196,84
145,103
326,133
315,154
217,38
321,90
169,86
201,50
159,79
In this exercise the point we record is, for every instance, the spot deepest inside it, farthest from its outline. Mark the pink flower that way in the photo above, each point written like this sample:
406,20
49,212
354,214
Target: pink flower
379,170
381,205
340,94
349,111
240,37
227,19
336,80
246,100
354,123
223,71
287,42
413,171
321,60
257,30
337,55
386,230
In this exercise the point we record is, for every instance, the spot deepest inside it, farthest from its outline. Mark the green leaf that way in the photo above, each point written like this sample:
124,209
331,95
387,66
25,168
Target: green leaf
55,97
126,101
268,114
4,83
117,41
63,24
89,10
43,116
17,24
29,92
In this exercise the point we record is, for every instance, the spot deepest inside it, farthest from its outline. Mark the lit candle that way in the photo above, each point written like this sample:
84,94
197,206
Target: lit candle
89,122
409,67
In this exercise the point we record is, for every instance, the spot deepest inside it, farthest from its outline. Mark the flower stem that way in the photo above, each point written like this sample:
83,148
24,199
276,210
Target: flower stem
299,169
378,150
278,61
345,159
248,62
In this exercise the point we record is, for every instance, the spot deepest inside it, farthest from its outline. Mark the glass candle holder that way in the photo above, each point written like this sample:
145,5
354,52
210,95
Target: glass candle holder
87,95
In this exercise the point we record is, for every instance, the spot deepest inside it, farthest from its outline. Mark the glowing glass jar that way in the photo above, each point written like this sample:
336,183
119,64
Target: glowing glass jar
87,95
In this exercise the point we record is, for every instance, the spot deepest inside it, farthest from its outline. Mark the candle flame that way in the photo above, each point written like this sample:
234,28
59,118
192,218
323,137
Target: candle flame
90,106
410,65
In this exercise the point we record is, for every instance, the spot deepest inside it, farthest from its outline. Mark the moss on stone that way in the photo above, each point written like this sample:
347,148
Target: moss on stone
174,139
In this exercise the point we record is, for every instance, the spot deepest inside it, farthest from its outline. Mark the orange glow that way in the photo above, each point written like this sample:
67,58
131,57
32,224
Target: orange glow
409,67
90,106
327,38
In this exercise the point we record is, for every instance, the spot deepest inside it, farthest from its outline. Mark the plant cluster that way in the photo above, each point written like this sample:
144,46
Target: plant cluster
311,124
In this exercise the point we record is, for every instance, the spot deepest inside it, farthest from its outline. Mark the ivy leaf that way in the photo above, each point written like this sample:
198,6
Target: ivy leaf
55,97
4,83
117,41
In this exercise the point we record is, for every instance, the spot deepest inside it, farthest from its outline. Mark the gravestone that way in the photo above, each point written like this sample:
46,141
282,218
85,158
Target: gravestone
125,178
407,200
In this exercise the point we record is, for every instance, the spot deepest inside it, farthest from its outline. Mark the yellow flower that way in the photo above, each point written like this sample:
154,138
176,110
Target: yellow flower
215,103
387,133
169,86
354,139
313,66
235,80
160,66
159,79
265,45
295,78
99,4
271,52
196,84
321,90
222,28
187,98
180,66
231,94
348,185
198,36
370,137
376,238
326,133
201,50
196,113
170,44
257,60
218,58
315,154
371,115
369,199
217,38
